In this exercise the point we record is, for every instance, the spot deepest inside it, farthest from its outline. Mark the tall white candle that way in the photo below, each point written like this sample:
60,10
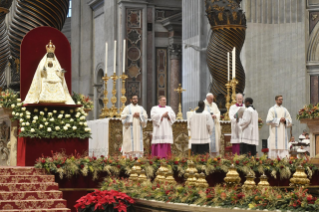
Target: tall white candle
124,55
234,63
106,50
114,64
228,61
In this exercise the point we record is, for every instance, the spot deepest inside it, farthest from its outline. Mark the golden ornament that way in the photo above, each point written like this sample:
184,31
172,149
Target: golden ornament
299,179
142,177
232,176
201,180
250,182
263,181
191,179
169,178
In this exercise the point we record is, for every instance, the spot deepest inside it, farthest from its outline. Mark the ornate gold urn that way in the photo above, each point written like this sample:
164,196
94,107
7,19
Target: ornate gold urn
137,167
191,168
135,171
263,181
160,176
133,175
232,176
299,179
169,178
201,180
250,182
163,168
191,179
142,177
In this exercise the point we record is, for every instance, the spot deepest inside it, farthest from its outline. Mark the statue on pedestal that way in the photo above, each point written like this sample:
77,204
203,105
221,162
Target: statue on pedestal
48,84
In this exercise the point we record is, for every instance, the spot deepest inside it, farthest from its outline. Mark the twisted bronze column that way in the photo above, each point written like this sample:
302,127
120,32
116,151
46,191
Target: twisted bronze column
228,24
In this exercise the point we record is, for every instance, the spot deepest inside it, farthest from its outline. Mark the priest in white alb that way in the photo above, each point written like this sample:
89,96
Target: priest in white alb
163,118
248,129
212,109
201,126
279,120
134,119
235,134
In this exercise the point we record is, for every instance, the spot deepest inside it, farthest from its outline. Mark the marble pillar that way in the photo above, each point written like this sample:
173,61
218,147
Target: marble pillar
175,75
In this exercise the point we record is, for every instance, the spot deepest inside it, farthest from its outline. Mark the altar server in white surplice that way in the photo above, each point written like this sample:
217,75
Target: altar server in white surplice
279,120
235,134
134,119
211,108
163,118
201,125
248,127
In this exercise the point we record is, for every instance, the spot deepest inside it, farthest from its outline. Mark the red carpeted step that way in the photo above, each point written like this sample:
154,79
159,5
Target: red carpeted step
40,210
28,186
14,170
26,178
29,195
32,204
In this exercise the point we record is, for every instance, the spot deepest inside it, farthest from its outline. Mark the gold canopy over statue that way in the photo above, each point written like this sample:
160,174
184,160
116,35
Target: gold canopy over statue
48,84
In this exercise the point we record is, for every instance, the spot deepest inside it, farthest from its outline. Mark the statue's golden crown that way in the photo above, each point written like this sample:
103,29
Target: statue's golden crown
50,47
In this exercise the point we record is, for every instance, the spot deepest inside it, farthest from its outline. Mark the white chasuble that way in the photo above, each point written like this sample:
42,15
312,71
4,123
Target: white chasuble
214,144
162,127
133,130
48,84
235,132
201,126
278,136
248,126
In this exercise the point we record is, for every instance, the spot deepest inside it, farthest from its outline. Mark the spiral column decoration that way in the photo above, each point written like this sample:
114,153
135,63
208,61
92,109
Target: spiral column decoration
30,14
228,23
4,43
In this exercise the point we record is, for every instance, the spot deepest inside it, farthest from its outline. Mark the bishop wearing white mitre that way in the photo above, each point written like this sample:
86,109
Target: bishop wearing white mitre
163,118
211,107
279,120
235,132
134,119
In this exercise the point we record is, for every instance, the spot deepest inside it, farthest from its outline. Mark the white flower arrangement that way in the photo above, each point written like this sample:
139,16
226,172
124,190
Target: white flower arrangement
74,128
13,106
22,129
49,129
28,124
54,111
23,108
28,117
41,113
67,116
34,121
85,124
41,126
21,114
87,129
82,118
35,118
23,124
65,128
13,113
57,128
21,120
60,116
32,130
19,104
46,123
18,100
71,120
44,119
52,119
50,114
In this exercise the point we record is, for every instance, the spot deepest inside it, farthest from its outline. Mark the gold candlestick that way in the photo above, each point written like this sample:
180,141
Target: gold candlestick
228,86
113,110
105,109
234,83
123,91
180,90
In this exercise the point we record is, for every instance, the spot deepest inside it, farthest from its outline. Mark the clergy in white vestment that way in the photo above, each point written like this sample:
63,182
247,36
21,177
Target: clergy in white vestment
279,120
134,119
235,134
248,127
212,109
201,126
163,118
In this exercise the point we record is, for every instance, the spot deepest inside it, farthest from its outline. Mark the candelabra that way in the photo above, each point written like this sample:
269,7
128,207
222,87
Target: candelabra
180,90
105,110
113,109
234,83
123,91
228,86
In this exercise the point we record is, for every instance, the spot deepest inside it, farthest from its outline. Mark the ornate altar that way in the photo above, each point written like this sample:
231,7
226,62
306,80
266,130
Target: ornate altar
180,134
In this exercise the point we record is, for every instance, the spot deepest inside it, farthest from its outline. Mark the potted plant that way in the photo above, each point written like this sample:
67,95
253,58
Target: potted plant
9,100
105,201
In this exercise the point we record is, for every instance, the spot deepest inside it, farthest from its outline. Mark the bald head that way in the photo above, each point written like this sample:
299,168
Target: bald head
239,98
210,98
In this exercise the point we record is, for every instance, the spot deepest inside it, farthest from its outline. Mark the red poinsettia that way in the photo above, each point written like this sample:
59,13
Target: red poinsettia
104,199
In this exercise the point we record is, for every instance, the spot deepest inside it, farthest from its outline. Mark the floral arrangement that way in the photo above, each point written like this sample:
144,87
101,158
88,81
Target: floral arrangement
265,150
68,166
220,196
309,112
9,97
48,123
106,201
260,123
81,99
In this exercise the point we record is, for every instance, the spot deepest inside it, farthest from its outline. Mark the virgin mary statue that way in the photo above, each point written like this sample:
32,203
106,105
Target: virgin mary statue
48,84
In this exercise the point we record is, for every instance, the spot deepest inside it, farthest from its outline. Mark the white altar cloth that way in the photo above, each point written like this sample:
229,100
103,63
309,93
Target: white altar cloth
99,143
